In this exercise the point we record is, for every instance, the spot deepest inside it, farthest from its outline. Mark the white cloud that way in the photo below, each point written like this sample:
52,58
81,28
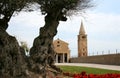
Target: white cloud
28,19
25,26
103,31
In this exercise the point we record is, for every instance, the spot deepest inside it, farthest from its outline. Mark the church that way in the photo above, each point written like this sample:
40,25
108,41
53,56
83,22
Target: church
62,50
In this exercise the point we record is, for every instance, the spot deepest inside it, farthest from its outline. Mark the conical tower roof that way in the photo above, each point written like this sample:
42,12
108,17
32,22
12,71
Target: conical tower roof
82,30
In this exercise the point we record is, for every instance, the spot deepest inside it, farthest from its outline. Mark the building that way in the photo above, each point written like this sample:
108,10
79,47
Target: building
62,51
82,42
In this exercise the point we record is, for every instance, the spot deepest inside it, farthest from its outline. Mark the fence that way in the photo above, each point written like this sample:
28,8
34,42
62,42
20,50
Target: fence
117,51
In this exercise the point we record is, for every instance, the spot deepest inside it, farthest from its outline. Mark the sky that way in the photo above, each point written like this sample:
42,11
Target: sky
101,23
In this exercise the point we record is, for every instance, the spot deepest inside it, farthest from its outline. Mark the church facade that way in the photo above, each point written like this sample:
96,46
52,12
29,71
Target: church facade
62,51
82,42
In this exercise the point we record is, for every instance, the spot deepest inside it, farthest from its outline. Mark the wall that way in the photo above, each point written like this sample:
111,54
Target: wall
111,59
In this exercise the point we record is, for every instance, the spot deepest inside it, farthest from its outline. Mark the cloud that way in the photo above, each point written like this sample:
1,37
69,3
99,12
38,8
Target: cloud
103,31
107,22
30,19
25,26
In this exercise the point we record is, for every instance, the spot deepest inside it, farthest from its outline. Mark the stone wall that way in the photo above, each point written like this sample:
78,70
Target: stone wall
111,59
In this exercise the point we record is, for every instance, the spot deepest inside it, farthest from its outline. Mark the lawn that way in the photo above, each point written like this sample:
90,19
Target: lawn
88,70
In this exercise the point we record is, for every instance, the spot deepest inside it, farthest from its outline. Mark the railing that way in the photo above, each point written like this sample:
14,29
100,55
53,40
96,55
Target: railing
117,51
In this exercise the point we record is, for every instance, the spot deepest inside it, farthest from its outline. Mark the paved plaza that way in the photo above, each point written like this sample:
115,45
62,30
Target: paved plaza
110,67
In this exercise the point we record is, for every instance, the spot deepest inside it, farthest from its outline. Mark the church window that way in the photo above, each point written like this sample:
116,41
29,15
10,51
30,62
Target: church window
58,42
83,36
58,45
83,49
83,54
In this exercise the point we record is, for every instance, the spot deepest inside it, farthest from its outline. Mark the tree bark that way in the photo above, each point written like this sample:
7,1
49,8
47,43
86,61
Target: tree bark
42,52
4,23
12,64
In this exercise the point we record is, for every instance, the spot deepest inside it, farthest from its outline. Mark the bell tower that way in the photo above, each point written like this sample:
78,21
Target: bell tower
82,42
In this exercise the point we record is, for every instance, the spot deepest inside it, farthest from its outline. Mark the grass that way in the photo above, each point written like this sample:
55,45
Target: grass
88,70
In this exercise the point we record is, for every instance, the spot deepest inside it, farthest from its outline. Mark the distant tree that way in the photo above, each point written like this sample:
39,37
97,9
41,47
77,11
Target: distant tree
42,51
24,45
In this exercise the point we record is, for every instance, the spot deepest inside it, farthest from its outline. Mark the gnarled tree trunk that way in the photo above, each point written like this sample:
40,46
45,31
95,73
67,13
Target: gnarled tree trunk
12,64
42,53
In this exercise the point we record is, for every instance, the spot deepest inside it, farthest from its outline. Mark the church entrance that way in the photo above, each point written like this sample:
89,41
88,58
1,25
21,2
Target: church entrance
66,58
59,58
